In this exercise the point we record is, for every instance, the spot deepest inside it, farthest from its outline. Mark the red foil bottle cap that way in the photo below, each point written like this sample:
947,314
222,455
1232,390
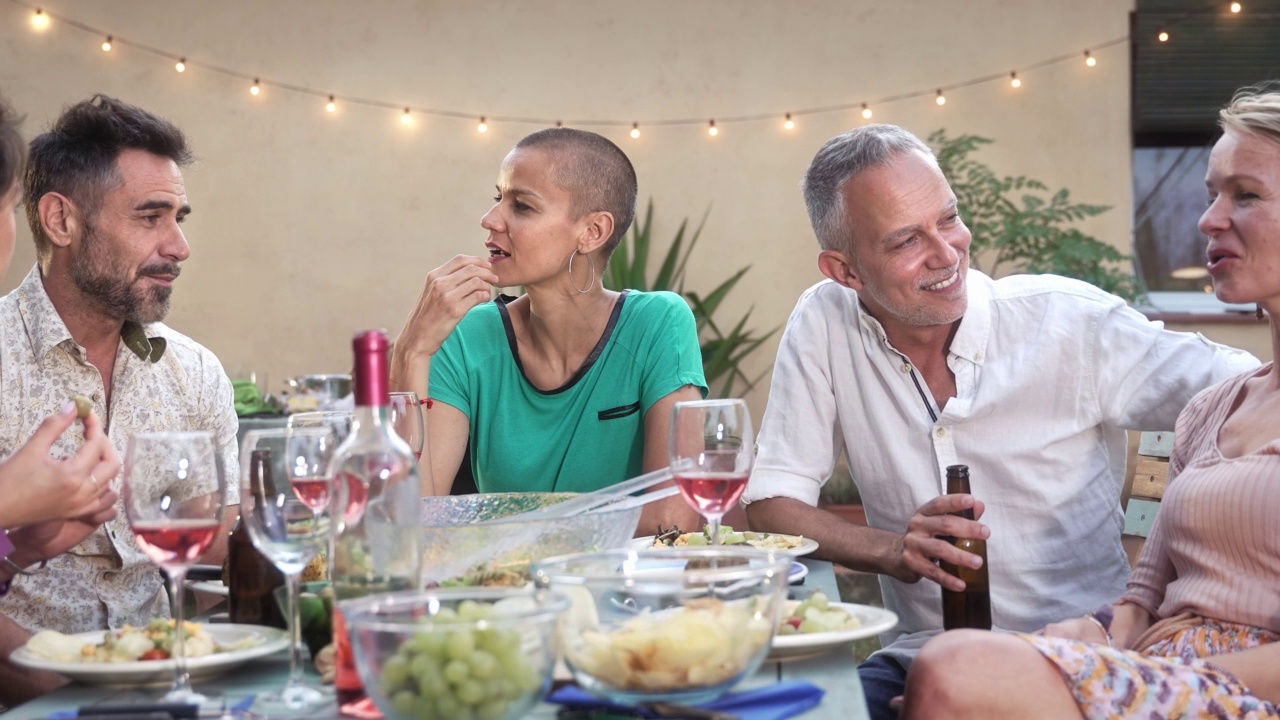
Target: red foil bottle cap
371,368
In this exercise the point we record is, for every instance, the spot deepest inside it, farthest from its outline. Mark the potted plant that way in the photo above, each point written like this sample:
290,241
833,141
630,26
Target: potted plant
1018,226
722,351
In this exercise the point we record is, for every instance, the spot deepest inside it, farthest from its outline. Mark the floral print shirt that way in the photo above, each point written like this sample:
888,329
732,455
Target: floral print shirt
106,581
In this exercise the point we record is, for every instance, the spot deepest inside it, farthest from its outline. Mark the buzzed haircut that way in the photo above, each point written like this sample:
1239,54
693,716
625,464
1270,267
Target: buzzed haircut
595,172
77,156
842,157
11,148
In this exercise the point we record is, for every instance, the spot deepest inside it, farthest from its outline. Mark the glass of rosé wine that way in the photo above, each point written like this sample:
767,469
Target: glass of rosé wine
286,484
712,451
174,491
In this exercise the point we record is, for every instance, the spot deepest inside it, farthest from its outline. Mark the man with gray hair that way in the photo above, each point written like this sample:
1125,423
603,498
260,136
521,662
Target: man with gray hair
908,361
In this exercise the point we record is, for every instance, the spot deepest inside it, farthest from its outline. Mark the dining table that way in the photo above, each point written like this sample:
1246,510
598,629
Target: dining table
835,672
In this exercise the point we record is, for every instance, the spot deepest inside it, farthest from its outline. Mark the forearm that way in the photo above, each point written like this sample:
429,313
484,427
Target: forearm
666,513
1129,622
1258,668
410,369
19,684
217,551
854,546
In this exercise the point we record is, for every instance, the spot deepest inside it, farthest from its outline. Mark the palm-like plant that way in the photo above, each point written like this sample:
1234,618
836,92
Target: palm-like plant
722,352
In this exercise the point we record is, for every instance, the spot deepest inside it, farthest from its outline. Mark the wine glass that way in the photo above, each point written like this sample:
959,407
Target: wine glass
341,423
173,492
407,420
712,450
285,482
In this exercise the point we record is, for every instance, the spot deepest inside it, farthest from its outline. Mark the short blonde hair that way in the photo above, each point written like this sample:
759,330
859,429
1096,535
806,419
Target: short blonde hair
1254,109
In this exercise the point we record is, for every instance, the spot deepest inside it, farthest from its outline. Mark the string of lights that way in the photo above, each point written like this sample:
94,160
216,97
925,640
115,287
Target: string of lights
42,19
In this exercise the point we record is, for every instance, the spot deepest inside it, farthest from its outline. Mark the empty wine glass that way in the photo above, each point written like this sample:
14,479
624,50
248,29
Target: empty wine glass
407,420
174,492
712,450
285,483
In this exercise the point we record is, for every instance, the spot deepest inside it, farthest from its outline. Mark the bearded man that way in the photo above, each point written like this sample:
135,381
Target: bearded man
105,200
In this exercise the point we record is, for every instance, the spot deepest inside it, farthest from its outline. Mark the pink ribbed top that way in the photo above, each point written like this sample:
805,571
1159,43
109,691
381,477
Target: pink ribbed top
1215,547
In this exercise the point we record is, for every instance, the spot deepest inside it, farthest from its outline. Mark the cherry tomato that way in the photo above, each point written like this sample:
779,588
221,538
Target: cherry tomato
154,654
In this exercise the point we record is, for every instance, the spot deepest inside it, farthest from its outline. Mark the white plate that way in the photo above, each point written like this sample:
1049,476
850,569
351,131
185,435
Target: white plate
797,573
806,546
213,587
159,673
873,621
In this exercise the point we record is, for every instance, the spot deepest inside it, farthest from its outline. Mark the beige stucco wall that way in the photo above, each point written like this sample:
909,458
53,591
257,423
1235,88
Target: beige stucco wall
308,226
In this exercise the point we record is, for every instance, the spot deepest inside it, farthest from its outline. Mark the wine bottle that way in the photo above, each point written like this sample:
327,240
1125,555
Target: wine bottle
252,578
971,607
378,546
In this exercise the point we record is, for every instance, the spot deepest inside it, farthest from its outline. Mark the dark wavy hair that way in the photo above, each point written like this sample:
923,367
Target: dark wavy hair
77,156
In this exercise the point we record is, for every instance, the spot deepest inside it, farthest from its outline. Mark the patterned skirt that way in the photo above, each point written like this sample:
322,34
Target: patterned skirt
1169,679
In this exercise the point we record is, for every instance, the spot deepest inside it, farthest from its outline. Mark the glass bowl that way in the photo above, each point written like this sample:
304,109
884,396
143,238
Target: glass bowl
465,540
455,652
674,625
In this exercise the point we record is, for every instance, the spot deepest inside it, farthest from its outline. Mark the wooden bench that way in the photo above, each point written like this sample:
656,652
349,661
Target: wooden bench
1150,475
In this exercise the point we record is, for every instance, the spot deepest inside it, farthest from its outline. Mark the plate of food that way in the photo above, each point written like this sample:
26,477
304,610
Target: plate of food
139,656
815,626
213,587
791,544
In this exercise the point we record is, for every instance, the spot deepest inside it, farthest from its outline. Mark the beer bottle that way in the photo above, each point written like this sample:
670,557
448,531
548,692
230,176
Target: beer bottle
251,578
970,608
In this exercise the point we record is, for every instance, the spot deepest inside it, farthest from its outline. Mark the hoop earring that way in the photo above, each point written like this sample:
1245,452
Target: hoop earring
591,283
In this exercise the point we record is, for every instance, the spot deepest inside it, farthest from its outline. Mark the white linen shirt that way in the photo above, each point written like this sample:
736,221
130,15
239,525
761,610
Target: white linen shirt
105,581
1049,373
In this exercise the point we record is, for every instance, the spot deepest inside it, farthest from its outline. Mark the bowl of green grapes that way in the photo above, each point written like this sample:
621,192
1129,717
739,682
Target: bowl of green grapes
485,653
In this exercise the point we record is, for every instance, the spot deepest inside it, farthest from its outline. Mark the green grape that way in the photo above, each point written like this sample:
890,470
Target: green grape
471,692
457,672
395,672
435,687
425,710
404,703
483,665
460,645
472,610
447,706
424,665
446,615
493,710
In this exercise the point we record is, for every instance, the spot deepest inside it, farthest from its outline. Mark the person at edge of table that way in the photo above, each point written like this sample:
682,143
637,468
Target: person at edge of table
105,198
910,361
570,386
1195,634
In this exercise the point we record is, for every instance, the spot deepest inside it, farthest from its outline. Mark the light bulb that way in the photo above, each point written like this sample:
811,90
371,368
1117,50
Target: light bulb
1014,80
406,118
181,65
1235,7
332,105
789,123
40,21
866,112
255,89
483,126
1163,36
106,44
635,131
712,130
941,99
1089,59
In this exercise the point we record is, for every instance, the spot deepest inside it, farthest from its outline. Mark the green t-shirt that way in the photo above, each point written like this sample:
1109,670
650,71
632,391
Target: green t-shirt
585,435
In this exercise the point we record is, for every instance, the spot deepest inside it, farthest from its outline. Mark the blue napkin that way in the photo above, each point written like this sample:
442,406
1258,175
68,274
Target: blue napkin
771,702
